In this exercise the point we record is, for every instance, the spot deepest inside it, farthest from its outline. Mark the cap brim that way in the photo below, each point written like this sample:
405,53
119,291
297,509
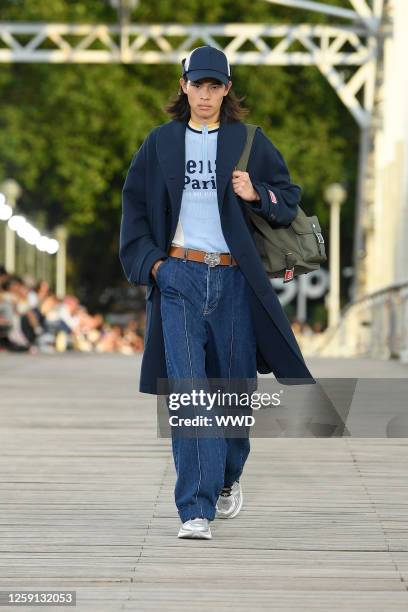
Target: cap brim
195,75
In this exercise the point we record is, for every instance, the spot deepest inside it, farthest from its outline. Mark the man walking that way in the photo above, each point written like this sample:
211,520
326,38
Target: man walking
211,310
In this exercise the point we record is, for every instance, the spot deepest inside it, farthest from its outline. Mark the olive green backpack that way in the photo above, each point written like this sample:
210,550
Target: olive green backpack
286,251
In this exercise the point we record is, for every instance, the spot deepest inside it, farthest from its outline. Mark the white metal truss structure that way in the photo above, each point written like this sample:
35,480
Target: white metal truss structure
354,46
329,47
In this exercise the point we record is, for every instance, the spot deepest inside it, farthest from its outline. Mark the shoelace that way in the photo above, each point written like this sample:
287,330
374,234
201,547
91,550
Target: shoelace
226,491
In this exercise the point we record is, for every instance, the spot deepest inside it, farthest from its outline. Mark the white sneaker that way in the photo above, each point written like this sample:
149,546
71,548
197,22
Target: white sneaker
229,501
195,528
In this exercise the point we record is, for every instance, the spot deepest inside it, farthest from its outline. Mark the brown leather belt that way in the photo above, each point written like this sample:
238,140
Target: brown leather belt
212,259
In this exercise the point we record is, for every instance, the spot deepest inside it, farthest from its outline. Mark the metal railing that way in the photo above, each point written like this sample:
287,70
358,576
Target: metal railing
375,325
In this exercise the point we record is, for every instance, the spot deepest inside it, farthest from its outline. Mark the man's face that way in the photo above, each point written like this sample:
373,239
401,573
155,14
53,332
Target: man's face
205,97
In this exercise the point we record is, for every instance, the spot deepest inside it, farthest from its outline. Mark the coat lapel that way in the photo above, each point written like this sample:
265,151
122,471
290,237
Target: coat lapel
171,155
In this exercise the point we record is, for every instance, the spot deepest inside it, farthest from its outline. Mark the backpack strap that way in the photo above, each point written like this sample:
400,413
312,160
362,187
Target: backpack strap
243,160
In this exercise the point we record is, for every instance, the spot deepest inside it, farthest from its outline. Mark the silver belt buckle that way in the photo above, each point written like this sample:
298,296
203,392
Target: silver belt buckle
212,259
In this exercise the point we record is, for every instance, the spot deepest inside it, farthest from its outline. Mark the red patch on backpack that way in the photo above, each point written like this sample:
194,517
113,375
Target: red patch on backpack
288,275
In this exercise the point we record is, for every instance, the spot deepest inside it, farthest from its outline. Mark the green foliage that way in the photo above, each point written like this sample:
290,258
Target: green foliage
68,132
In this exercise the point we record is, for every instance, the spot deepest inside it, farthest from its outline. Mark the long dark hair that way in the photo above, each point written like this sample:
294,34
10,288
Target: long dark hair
231,110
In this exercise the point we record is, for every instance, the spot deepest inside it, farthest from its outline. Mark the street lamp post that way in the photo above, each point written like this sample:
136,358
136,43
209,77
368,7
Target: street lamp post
61,235
335,194
12,191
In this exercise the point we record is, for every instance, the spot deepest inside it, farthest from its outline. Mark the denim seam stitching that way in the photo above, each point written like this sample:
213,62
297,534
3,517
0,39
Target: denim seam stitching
205,311
191,372
217,293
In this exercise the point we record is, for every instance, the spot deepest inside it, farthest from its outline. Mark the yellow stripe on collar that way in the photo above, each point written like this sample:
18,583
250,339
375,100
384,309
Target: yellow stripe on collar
198,126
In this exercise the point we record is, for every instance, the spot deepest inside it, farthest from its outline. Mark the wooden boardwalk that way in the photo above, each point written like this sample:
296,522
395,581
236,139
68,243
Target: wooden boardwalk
86,503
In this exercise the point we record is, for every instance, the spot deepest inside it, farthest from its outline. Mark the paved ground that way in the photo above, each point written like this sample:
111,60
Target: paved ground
86,503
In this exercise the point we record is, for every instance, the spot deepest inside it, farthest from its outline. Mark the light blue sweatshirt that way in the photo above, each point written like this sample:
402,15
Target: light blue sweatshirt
199,224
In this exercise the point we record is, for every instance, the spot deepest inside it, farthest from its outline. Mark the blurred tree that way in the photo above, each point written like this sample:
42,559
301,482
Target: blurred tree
68,132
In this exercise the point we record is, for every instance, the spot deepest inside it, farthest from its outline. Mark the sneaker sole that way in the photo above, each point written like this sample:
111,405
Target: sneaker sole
194,535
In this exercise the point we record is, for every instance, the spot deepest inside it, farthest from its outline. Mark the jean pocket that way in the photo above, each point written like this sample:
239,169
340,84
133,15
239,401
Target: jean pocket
159,270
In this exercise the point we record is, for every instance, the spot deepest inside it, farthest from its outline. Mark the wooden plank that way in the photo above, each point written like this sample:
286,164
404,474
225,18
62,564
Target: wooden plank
86,503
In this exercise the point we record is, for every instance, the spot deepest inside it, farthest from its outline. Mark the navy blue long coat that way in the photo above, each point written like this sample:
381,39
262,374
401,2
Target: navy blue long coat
151,200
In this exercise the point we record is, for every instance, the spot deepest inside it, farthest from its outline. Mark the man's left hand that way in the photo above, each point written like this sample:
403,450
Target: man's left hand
242,186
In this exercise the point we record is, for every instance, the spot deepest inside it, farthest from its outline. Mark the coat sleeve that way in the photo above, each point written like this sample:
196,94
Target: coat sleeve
137,249
271,179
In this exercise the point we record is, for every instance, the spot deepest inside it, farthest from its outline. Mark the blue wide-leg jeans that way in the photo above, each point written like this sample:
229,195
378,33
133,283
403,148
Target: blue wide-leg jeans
208,333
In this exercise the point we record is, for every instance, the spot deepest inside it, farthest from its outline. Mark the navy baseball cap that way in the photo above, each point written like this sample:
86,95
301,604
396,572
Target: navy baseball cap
204,62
